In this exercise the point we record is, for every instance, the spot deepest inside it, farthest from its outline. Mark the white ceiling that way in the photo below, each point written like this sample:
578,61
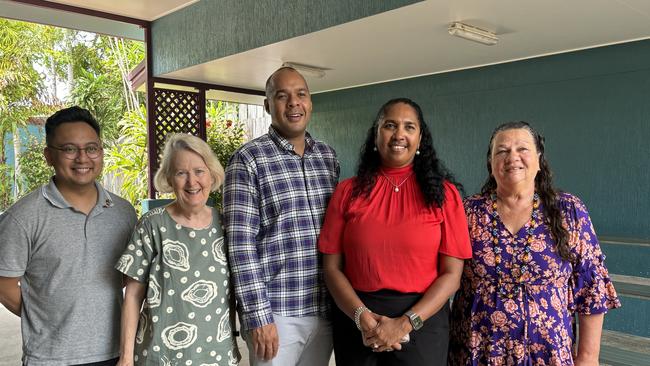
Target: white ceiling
413,40
140,9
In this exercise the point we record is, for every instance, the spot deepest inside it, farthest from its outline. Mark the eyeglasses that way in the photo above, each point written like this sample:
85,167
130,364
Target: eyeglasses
71,152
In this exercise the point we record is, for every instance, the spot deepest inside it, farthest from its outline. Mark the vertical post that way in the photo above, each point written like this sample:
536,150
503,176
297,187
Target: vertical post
203,133
151,118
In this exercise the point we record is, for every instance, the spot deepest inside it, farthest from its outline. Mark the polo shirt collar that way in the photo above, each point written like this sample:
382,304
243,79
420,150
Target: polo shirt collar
51,194
285,144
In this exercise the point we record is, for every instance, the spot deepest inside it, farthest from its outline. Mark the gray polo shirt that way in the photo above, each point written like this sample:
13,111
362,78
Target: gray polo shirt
71,294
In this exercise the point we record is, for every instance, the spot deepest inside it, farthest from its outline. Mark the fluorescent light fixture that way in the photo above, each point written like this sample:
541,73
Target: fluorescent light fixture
307,70
472,33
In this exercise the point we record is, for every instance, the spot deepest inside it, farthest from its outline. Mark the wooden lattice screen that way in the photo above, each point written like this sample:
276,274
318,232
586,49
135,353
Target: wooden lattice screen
174,111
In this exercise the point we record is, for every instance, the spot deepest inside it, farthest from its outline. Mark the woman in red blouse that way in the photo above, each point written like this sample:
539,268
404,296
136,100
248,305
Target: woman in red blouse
394,240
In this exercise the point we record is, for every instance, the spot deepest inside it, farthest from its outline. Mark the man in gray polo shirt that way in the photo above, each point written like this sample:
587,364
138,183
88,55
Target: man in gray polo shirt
58,246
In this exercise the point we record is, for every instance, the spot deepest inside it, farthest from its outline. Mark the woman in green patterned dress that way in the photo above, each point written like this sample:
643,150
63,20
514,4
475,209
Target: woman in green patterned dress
175,263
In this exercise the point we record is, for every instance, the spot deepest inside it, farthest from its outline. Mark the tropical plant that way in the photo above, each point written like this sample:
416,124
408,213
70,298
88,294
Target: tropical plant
101,83
127,157
225,134
21,86
6,181
97,93
20,82
33,162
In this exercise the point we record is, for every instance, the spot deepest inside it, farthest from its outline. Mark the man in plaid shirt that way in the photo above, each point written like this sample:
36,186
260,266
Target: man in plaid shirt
275,194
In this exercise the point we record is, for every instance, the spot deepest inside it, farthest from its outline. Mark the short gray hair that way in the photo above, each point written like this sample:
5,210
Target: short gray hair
177,142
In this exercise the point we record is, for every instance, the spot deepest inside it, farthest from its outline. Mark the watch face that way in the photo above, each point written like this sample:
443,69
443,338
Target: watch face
416,322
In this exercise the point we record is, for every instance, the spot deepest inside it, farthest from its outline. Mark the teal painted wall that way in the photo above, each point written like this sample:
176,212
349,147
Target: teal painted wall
628,260
632,317
592,106
212,29
25,133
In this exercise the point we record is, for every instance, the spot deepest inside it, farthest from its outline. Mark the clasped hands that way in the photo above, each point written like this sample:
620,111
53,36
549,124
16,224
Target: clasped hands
384,334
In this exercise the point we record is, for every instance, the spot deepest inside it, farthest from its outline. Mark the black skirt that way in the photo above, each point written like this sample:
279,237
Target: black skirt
428,346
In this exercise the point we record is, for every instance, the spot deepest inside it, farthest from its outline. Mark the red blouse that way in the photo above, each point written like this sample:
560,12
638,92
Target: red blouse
392,240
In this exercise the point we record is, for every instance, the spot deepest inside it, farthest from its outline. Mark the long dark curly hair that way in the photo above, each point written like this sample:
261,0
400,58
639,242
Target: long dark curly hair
430,172
548,194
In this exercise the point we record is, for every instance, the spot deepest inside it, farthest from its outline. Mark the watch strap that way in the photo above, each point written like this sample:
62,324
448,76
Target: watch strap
414,319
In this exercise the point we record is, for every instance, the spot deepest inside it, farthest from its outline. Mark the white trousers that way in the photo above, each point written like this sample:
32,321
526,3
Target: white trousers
304,341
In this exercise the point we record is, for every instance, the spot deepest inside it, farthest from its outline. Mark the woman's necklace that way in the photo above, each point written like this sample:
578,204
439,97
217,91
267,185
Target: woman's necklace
523,265
396,186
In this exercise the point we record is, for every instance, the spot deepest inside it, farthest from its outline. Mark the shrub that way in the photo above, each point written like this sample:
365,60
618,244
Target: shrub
35,170
225,134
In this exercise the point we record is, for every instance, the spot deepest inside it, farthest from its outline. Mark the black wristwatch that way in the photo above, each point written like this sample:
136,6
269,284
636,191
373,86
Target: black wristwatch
414,319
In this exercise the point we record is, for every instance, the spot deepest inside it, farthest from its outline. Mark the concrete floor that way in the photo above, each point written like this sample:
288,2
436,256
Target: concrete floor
244,354
11,341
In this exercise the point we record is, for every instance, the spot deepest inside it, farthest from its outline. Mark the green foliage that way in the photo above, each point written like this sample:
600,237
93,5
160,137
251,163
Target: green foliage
225,134
33,163
6,196
21,88
101,95
20,82
127,158
101,66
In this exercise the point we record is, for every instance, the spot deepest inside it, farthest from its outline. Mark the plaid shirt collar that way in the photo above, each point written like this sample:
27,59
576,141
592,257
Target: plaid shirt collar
284,144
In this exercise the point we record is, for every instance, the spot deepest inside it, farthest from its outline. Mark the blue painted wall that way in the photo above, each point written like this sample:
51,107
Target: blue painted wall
212,29
592,106
25,133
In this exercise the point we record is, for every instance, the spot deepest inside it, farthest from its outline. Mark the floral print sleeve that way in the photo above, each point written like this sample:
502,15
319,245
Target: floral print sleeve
591,289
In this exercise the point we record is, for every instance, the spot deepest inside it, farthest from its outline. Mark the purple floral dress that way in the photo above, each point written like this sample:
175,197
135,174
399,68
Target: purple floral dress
528,321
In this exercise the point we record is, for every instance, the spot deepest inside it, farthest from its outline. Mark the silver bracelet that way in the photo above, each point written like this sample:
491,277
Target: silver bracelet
357,315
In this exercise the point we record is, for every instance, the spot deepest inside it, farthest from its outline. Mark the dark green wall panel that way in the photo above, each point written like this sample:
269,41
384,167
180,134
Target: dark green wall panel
592,106
212,29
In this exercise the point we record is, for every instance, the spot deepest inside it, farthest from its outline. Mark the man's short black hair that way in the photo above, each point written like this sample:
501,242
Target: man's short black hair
67,115
269,86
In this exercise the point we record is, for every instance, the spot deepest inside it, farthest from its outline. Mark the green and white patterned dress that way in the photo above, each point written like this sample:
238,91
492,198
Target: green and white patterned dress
186,318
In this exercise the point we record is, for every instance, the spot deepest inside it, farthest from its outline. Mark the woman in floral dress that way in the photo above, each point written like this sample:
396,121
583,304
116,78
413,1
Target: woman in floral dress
536,262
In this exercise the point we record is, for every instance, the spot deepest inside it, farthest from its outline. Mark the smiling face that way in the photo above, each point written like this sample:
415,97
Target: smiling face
191,180
289,104
398,136
514,159
81,171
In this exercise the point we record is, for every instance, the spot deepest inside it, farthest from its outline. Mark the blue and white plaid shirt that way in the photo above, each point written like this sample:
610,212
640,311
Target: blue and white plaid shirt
274,203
